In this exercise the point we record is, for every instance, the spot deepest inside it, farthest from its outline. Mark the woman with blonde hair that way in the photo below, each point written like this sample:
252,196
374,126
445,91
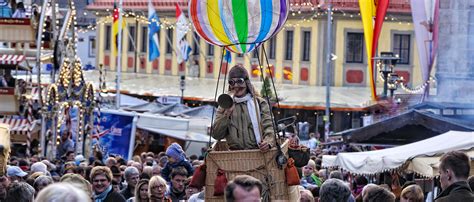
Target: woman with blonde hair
412,193
157,189
62,192
141,192
77,181
101,178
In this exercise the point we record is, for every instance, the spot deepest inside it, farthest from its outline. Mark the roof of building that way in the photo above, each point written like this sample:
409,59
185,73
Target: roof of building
199,89
408,127
160,5
396,6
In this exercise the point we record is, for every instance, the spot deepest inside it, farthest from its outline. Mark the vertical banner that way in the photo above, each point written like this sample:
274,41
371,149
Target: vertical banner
367,12
116,134
422,35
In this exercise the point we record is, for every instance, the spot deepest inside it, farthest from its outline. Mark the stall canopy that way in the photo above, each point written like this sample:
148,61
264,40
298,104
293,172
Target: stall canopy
146,107
428,166
408,127
11,61
19,126
205,111
372,162
125,100
181,134
177,128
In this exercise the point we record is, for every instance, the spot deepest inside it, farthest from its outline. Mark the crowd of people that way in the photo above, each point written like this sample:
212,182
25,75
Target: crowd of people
148,177
166,176
325,184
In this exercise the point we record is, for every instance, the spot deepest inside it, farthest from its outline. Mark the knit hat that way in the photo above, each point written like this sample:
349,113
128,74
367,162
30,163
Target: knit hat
238,71
39,167
176,152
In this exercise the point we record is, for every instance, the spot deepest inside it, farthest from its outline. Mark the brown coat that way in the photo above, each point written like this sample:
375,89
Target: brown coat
237,129
458,191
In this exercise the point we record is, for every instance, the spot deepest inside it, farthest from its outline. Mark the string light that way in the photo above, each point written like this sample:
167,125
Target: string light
405,87
70,91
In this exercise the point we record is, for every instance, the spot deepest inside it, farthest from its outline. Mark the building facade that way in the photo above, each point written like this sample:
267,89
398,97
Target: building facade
297,54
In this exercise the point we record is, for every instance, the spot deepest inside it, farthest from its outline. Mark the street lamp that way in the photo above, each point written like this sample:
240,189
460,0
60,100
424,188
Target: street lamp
385,63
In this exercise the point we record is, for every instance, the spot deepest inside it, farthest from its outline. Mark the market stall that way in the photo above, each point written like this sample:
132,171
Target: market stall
406,156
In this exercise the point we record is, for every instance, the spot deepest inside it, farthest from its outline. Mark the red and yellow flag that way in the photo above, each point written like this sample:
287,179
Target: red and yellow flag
371,14
115,29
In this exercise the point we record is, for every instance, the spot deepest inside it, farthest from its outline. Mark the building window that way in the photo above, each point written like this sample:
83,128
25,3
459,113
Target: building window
210,50
272,51
131,39
108,37
91,46
306,45
169,34
401,47
355,48
144,39
289,45
196,46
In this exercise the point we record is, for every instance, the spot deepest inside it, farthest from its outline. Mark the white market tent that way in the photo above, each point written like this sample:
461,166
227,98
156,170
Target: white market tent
372,162
428,166
173,127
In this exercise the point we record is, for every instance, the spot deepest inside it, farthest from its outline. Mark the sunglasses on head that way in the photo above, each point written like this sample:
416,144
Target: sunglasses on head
238,81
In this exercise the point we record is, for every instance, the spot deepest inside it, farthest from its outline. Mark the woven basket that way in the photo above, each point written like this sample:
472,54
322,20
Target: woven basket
247,162
4,147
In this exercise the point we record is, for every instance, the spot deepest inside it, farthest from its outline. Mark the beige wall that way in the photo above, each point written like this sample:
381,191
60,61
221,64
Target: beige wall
315,65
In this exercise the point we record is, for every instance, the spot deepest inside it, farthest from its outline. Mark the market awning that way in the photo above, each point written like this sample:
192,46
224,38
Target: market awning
372,162
428,166
180,134
11,61
18,126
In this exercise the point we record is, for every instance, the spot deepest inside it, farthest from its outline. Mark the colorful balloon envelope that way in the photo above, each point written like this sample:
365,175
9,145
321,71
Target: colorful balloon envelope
238,25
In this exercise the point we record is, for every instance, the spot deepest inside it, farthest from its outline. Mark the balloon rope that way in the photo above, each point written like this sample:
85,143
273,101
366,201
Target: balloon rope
215,98
271,76
267,97
226,70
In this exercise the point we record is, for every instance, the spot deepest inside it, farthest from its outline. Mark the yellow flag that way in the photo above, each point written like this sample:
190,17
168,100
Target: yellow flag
367,12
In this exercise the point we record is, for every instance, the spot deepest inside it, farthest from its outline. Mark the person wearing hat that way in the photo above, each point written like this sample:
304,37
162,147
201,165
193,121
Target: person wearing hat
16,174
176,158
117,177
248,123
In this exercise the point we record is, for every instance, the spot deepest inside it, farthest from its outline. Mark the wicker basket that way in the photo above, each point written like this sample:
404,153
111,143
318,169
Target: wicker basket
4,147
249,162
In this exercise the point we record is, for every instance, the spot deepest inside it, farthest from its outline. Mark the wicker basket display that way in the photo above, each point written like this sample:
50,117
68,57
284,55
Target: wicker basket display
247,162
4,147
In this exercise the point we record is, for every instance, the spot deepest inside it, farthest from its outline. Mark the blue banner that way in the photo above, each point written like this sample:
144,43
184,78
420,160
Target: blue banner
115,134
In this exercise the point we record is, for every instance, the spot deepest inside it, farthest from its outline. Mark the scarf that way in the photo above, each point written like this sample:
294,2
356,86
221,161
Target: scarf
101,197
252,113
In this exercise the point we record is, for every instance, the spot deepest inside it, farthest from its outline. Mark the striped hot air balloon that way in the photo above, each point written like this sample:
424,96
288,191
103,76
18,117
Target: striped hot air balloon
238,25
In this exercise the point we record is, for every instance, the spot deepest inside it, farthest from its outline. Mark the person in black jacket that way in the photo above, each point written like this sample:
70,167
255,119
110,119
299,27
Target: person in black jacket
454,170
101,178
131,176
